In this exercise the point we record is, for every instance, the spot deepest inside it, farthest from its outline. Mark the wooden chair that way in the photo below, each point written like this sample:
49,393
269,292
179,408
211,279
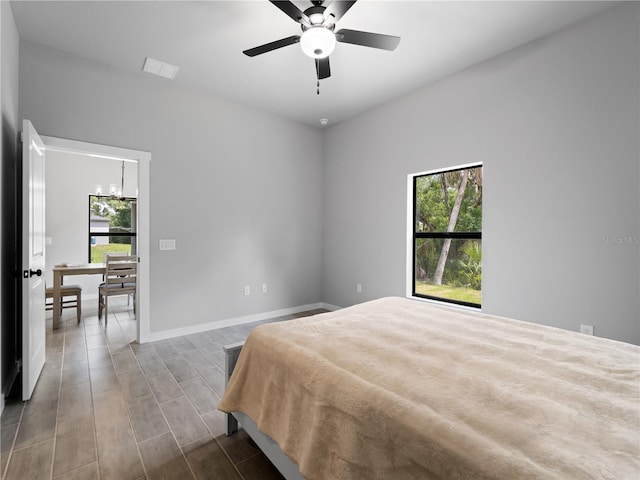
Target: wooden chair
116,254
66,291
120,279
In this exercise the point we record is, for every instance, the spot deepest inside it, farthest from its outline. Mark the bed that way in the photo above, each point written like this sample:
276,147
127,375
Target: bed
401,389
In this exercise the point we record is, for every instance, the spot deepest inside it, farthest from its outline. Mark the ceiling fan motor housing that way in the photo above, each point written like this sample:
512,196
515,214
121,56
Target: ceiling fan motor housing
315,15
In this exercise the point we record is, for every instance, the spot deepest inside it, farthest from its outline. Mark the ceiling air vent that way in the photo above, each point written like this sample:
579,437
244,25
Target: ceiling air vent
159,68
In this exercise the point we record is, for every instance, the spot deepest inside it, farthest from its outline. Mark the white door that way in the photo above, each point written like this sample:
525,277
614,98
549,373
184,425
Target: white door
33,313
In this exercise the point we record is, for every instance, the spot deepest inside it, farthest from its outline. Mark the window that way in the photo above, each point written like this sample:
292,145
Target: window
447,235
112,226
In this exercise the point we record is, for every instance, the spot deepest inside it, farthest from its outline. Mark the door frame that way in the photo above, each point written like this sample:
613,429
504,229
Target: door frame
143,160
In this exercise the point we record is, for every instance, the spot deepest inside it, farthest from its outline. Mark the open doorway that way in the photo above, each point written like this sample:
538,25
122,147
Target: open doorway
83,169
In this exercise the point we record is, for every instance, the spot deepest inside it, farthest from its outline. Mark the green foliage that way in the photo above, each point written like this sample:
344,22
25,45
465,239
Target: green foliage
462,294
98,251
118,211
433,206
435,198
470,265
431,212
426,258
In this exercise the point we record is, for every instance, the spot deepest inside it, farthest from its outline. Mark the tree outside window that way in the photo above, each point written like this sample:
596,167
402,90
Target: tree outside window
447,235
112,226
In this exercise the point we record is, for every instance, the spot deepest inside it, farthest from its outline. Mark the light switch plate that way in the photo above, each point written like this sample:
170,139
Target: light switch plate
169,244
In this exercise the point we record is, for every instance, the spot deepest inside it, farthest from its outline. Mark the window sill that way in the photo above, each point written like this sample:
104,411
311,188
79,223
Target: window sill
446,304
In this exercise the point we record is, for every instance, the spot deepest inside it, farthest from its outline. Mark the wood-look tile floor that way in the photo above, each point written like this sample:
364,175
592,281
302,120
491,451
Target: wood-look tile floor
106,408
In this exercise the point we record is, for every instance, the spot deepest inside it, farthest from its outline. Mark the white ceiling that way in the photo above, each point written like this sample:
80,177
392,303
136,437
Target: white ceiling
206,39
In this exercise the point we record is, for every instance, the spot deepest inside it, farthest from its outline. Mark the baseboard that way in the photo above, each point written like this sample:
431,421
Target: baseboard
230,322
330,307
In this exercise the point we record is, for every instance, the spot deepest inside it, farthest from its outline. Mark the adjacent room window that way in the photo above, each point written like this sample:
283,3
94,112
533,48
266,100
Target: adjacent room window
447,235
112,226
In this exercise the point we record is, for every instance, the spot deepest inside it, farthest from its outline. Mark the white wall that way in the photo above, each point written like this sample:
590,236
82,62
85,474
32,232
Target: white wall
239,189
69,180
556,124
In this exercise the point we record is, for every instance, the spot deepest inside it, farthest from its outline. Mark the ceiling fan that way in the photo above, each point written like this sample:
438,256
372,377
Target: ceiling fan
318,38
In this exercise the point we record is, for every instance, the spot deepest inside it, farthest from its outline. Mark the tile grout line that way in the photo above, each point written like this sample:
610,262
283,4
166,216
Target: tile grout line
207,345
161,410
184,457
250,457
93,407
181,447
13,443
224,451
55,429
126,403
86,350
235,467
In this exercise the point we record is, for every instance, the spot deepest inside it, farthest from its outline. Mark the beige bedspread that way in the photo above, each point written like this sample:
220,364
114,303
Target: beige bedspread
400,389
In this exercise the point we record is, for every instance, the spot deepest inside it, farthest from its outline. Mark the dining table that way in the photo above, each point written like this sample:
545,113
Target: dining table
67,269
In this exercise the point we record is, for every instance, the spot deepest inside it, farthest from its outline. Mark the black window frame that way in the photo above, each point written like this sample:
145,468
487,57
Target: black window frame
437,235
109,234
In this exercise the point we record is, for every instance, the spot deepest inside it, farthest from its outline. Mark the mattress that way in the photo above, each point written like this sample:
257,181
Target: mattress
401,389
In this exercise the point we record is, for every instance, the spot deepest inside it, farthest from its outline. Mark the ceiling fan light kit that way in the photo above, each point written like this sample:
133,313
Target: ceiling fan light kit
318,42
318,39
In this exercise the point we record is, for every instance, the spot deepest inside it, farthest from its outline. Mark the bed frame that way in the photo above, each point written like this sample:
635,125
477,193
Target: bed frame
269,447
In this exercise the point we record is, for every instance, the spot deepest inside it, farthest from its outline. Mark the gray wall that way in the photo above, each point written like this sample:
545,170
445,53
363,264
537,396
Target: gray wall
239,189
9,42
556,124
313,213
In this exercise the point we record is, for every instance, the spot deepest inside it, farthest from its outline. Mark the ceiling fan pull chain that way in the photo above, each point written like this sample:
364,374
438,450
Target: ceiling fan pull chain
317,62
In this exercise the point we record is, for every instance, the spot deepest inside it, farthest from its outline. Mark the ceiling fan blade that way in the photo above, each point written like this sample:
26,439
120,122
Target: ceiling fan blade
322,68
292,11
337,9
367,39
267,47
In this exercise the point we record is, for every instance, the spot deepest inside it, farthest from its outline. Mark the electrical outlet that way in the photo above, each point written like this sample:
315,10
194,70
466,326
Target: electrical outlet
586,329
247,290
264,288
358,288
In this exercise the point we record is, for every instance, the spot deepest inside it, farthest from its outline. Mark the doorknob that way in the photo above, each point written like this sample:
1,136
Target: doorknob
30,273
